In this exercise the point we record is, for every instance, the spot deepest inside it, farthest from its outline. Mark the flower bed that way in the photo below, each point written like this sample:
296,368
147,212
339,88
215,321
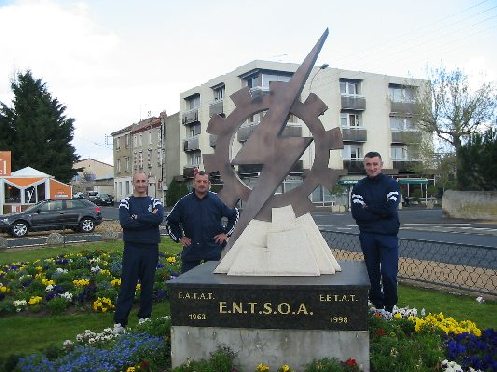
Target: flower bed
404,341
87,280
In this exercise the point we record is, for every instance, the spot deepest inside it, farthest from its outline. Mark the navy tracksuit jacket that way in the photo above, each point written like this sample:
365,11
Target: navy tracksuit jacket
375,203
200,220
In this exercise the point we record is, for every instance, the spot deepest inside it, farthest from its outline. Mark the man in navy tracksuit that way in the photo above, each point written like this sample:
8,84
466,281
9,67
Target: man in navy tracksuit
375,200
140,216
195,222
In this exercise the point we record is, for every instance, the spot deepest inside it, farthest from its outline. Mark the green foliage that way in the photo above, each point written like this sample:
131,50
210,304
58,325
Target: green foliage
329,365
57,305
396,347
36,130
175,192
220,361
478,168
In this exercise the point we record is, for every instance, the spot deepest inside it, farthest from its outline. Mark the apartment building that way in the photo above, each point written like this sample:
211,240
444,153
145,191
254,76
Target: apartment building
123,160
373,111
151,146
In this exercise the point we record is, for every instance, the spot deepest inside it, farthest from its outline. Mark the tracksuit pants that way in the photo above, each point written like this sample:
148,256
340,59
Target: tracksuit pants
381,254
139,263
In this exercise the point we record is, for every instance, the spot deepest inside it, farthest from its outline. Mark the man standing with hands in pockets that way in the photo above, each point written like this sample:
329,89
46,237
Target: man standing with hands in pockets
375,201
140,216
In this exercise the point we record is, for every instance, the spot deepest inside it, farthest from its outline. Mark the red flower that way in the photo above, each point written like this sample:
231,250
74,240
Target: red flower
380,332
351,362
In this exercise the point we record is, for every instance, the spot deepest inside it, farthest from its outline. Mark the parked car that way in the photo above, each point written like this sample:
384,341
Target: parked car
78,195
104,199
91,195
77,214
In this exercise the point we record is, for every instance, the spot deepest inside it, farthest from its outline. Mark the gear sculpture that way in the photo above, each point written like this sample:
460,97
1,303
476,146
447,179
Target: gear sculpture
275,152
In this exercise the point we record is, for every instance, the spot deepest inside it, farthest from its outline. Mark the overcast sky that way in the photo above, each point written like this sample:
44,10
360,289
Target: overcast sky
113,63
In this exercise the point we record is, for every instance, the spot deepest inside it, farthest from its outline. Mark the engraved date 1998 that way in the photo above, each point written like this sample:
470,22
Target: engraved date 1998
197,316
339,319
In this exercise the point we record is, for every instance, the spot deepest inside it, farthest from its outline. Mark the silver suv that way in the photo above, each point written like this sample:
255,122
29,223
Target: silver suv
76,214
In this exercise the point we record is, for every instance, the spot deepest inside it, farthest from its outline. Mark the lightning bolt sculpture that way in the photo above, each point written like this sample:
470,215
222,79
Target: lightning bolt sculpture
266,146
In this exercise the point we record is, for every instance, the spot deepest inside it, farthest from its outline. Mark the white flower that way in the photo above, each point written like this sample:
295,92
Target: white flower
423,312
49,288
67,343
61,270
480,299
95,269
66,296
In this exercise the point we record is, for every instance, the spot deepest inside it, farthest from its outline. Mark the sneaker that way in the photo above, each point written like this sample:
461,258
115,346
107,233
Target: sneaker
143,320
118,328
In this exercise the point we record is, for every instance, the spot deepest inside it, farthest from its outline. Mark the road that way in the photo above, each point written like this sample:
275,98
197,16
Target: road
425,224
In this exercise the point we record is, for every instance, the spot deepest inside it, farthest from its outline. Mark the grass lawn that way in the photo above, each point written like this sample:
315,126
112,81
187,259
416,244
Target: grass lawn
27,333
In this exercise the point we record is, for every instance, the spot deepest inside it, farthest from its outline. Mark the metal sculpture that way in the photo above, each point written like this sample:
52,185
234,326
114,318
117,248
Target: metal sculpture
276,154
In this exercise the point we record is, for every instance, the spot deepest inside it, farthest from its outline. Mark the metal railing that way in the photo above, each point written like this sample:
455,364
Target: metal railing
465,268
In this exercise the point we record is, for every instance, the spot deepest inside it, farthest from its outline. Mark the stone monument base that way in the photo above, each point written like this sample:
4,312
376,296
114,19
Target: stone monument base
273,320
271,346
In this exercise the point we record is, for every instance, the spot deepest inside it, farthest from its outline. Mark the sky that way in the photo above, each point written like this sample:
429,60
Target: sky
112,63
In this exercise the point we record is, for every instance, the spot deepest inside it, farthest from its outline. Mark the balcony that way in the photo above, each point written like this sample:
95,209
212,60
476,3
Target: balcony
191,144
404,108
291,130
353,102
406,137
404,165
353,166
245,131
190,116
216,108
354,135
188,171
212,140
249,168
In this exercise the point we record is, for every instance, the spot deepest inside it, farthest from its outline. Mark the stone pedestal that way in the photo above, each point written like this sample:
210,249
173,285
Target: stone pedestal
274,320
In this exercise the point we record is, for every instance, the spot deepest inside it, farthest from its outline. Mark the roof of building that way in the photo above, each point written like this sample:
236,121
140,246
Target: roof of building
29,172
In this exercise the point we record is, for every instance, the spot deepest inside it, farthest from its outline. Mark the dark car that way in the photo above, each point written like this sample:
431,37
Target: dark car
104,199
77,214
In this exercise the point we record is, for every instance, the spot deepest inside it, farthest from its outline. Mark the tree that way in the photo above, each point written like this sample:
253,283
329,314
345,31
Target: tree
451,110
175,192
478,162
39,134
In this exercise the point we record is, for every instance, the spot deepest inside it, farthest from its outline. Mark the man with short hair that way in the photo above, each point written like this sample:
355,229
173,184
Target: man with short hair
195,222
140,216
375,200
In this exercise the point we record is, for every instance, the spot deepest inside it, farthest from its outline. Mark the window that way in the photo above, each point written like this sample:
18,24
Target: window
350,87
126,140
150,137
140,160
399,153
262,79
135,140
193,131
350,120
401,124
140,139
118,165
352,152
194,159
126,160
401,93
118,143
219,93
192,102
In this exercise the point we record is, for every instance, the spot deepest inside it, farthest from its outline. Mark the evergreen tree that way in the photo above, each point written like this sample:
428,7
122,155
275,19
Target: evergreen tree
175,192
478,166
39,134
